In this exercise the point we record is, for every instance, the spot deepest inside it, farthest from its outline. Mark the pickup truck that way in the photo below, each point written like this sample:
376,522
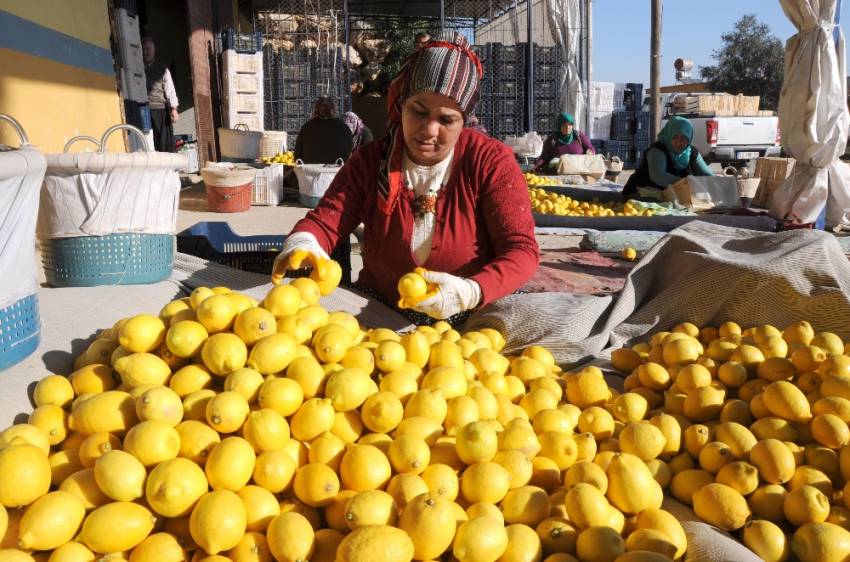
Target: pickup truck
731,140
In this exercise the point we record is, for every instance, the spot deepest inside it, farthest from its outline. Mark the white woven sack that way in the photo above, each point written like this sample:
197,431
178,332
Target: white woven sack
314,179
97,194
581,164
21,173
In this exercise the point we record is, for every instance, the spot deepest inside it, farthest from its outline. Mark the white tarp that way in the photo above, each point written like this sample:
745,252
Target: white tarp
21,172
565,23
97,194
813,117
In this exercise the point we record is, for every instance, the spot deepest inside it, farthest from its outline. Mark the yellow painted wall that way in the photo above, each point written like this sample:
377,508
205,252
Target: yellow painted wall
54,102
86,20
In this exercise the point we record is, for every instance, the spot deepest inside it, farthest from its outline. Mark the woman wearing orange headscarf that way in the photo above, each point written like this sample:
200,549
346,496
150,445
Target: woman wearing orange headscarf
431,194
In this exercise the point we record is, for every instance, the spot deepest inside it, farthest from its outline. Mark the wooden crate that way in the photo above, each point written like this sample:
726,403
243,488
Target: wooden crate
747,105
772,173
717,105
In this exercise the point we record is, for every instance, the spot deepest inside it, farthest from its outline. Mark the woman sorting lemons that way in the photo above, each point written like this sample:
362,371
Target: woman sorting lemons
431,194
565,140
667,161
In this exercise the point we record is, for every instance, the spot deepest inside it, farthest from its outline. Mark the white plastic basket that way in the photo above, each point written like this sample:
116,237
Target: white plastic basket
268,185
314,179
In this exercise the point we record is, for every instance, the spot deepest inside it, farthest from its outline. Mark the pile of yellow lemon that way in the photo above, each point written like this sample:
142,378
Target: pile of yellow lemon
550,203
534,180
286,158
749,427
226,429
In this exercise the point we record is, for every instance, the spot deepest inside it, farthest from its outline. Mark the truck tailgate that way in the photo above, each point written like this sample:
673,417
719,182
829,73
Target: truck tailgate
747,131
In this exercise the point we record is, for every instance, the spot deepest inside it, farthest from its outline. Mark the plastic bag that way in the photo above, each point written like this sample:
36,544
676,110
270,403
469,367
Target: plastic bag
530,144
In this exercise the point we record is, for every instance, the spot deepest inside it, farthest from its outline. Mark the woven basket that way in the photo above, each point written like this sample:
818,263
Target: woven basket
239,144
272,143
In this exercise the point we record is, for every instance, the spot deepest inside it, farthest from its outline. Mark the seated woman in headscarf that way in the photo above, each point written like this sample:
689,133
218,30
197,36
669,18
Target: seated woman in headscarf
324,138
431,194
360,133
565,140
667,161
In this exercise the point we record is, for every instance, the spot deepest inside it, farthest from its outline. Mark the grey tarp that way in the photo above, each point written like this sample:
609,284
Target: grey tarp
701,273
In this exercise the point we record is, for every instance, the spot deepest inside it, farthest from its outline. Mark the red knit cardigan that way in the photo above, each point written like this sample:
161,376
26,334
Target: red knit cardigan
484,230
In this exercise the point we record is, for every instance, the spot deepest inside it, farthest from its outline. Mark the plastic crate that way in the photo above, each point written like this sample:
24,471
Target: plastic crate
503,86
508,71
633,96
216,242
546,106
115,259
294,89
504,125
544,124
241,42
546,88
507,106
546,71
612,148
268,185
622,125
20,331
508,53
643,119
138,114
294,108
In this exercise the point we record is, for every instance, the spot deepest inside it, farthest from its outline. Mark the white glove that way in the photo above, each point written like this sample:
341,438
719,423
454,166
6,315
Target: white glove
454,295
296,245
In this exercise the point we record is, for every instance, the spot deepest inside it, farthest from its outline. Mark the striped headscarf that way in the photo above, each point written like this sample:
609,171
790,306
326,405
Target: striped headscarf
446,65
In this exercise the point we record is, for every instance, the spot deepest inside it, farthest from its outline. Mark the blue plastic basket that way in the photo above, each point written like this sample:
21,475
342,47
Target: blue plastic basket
20,332
115,259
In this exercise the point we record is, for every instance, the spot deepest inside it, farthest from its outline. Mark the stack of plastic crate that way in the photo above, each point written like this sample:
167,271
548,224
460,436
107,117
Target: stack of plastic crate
631,124
242,70
547,88
484,109
507,95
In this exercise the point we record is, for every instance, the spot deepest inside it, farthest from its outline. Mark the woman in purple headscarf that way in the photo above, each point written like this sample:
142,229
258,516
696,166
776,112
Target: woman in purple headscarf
360,133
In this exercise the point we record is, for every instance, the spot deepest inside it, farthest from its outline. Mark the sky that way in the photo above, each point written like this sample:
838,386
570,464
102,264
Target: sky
690,29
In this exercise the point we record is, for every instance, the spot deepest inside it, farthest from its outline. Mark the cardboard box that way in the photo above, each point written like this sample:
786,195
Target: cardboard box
771,173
